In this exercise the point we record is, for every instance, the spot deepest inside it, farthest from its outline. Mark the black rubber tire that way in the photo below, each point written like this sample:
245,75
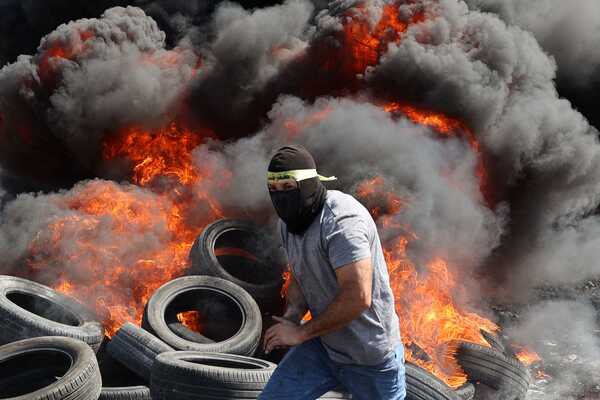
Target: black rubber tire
466,391
422,385
495,369
243,342
268,270
19,323
81,381
125,393
494,340
184,375
136,349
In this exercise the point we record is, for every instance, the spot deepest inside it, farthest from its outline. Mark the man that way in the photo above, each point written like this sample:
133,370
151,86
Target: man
339,275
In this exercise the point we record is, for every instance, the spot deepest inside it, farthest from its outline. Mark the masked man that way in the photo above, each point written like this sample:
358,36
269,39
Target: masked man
339,275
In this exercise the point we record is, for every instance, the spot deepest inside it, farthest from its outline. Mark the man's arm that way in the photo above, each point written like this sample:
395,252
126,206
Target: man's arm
355,282
295,303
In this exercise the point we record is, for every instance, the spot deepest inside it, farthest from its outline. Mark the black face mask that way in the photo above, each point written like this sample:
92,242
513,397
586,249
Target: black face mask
298,207
287,206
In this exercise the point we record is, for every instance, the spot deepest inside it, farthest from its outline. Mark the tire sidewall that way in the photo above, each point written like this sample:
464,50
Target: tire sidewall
88,328
245,338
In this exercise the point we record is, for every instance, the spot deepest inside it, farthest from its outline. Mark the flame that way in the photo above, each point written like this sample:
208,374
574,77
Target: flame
527,356
167,152
431,319
101,271
191,320
295,127
366,43
447,126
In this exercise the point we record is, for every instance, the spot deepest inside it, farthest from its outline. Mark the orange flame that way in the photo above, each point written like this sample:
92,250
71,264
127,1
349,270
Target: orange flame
101,271
527,357
191,320
431,320
366,43
446,126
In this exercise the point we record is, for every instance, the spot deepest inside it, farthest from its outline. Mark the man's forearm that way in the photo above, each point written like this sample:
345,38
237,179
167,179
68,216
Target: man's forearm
344,308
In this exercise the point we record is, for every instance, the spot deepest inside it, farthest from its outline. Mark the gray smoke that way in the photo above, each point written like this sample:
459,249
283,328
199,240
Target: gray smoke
569,31
450,218
542,156
114,72
564,334
500,80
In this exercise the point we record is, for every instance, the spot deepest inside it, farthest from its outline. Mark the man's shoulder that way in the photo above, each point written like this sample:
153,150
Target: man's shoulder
339,204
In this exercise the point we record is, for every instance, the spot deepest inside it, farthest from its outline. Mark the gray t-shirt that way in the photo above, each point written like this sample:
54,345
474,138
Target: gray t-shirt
342,233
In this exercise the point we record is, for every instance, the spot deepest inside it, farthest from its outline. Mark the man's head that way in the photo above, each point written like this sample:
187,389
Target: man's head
295,187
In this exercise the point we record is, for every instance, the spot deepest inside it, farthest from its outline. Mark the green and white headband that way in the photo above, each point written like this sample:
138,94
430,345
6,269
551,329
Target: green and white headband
298,175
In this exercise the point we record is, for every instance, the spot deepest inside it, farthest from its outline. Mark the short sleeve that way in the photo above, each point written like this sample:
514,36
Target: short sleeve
347,240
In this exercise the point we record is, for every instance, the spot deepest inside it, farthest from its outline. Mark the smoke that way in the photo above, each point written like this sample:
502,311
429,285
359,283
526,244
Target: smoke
247,52
263,77
90,78
569,32
498,79
563,333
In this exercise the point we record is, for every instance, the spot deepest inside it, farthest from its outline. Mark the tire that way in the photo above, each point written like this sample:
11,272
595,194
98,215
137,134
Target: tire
49,368
262,277
136,349
466,391
494,369
234,319
422,385
184,375
37,304
494,340
125,393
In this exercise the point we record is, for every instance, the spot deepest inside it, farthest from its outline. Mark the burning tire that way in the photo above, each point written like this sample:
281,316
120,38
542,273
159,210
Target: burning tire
228,319
182,375
125,393
495,369
494,340
466,391
239,252
136,349
28,309
422,385
49,368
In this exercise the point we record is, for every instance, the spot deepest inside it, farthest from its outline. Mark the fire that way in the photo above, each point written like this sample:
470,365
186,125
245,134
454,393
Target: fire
366,43
117,277
295,127
431,319
167,152
191,320
527,357
446,126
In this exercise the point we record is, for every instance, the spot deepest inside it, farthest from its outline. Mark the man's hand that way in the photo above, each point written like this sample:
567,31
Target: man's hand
283,334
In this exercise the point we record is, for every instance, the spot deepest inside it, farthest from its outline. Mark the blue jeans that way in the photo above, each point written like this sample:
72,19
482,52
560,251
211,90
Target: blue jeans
306,372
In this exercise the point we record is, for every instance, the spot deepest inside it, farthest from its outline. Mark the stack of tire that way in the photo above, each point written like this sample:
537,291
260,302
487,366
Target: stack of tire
50,340
495,370
49,343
